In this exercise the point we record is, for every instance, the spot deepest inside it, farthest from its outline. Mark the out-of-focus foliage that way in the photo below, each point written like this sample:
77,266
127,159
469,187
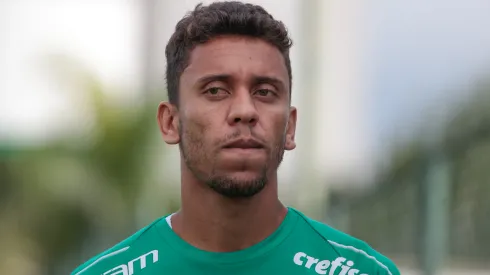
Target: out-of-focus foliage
468,145
71,198
394,210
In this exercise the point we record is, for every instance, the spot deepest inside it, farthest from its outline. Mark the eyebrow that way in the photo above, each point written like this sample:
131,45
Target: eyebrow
270,80
214,77
256,80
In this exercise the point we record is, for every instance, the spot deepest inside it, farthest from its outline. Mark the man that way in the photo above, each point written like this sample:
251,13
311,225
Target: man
229,110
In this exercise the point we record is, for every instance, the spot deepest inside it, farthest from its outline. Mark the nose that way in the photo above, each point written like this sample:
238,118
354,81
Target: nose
243,110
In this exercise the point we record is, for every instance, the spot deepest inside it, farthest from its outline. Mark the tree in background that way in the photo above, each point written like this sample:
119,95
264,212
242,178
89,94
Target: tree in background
391,216
467,144
76,196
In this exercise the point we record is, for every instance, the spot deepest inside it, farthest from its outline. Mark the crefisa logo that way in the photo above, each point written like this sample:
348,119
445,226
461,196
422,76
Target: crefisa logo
339,266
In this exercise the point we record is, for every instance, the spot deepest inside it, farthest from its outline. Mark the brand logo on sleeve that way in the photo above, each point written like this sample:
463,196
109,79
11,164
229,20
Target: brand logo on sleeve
339,266
137,264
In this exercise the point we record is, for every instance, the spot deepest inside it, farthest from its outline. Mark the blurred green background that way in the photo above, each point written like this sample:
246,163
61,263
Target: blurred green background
74,196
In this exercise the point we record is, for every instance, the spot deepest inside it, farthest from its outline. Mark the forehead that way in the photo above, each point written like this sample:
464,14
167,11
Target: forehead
239,57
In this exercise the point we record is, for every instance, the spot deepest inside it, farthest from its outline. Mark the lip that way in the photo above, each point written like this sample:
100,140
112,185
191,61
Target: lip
244,144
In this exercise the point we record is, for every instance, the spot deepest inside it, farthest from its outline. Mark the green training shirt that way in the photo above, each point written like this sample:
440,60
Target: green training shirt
299,246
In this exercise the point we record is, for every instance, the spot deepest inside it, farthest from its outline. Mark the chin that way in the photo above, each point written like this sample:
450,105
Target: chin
238,185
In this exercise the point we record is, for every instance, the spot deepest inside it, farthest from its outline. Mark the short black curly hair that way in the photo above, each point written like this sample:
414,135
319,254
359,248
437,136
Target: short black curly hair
221,18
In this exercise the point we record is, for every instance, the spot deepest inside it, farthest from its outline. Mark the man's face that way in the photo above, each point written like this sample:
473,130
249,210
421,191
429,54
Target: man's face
234,115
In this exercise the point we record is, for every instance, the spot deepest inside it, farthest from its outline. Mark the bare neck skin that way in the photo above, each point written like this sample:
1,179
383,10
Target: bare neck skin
214,223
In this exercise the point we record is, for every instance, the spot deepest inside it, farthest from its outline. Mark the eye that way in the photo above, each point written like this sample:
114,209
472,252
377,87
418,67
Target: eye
215,91
264,92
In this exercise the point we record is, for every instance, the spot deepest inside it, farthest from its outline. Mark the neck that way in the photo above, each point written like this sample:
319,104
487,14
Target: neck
212,222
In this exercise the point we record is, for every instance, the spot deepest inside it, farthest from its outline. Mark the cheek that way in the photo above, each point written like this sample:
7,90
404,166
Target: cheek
199,116
280,122
276,129
196,132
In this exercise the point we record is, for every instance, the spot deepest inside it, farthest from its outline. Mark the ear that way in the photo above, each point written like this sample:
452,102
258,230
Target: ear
290,144
168,122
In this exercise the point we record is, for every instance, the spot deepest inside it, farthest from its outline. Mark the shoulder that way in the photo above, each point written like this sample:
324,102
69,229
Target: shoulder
117,253
346,244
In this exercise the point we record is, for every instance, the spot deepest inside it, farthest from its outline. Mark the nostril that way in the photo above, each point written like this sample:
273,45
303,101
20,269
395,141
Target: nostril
247,121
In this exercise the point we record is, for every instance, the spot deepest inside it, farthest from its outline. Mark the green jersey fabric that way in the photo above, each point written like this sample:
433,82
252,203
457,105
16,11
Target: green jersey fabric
299,246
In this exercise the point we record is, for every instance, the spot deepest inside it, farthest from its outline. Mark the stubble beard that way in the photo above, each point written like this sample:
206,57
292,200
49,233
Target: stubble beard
195,155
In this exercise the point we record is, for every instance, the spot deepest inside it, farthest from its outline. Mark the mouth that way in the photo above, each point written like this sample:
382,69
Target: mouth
244,144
